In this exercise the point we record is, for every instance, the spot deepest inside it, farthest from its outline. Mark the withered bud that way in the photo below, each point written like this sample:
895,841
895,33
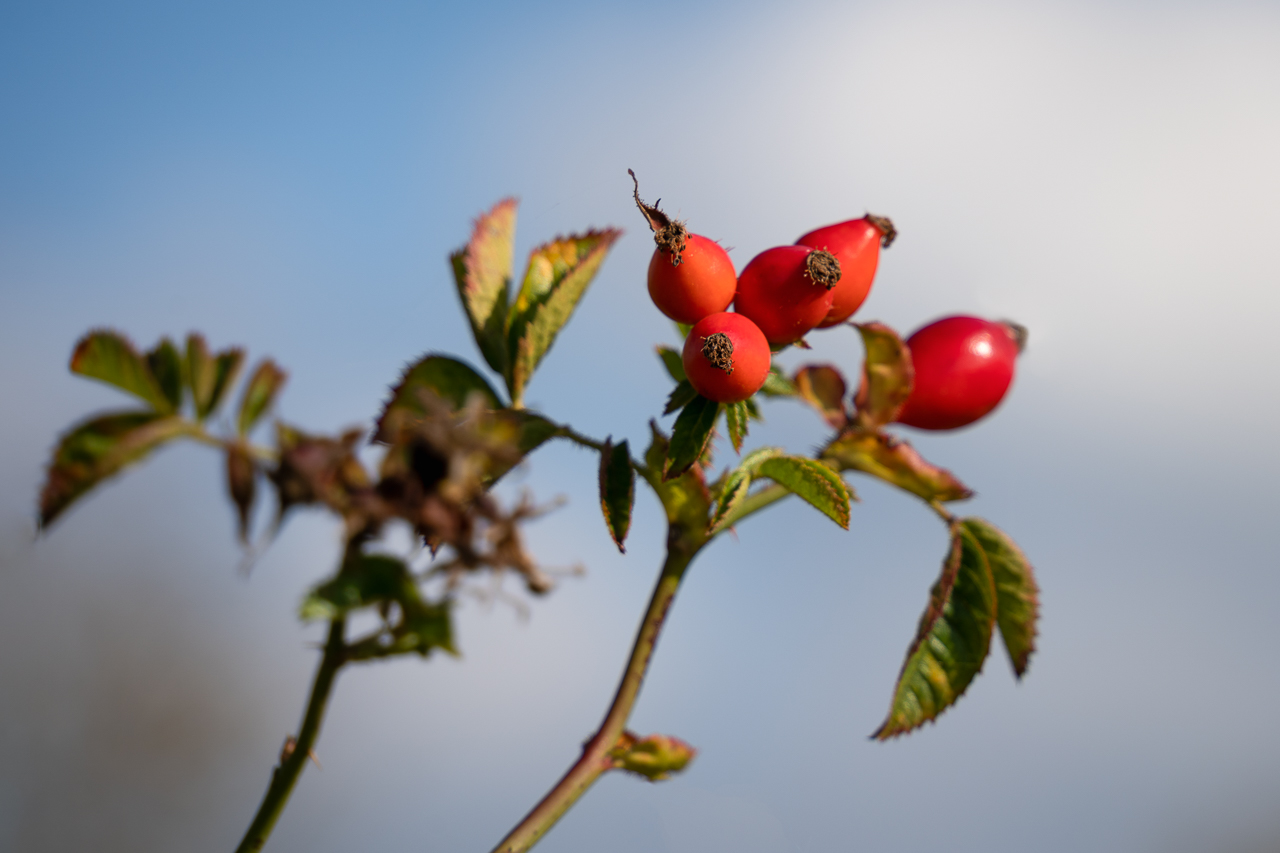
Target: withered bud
671,235
884,225
718,350
822,268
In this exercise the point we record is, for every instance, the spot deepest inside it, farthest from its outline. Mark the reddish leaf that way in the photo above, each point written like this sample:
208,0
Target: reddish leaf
887,375
896,462
99,448
823,387
482,270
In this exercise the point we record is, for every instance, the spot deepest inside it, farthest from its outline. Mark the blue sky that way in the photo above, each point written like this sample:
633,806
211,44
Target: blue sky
290,177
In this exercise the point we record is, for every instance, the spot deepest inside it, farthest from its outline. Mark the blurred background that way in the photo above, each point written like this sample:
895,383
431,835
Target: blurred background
291,176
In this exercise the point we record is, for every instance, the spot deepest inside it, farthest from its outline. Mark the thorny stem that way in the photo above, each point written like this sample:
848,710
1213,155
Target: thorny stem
578,438
595,759
295,757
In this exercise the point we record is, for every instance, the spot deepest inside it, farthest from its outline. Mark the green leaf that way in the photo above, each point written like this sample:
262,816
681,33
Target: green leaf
558,275
685,499
423,628
376,579
617,490
673,362
895,462
209,377
451,380
654,757
777,385
110,357
98,448
1017,594
814,481
259,393
482,270
690,436
680,396
736,485
887,376
166,366
365,579
822,386
952,641
735,416
684,329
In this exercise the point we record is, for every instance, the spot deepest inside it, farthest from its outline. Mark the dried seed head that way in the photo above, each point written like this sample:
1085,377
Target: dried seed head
822,268
884,225
1017,331
718,350
671,235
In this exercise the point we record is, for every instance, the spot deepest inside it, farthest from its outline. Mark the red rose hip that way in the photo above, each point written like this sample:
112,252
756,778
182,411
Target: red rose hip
963,367
787,290
698,281
726,357
856,245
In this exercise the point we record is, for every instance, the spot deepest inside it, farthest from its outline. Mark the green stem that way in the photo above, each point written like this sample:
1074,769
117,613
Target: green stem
291,764
595,759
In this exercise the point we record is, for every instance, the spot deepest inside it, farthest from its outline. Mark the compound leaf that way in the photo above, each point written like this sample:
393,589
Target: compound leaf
259,393
823,387
98,448
617,490
109,357
690,435
1017,594
166,366
896,462
557,277
952,641
451,380
887,375
208,376
482,270
736,485
814,481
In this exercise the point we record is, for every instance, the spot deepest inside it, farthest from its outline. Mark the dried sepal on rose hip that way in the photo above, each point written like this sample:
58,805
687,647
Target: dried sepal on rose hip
856,245
787,291
690,276
726,357
963,368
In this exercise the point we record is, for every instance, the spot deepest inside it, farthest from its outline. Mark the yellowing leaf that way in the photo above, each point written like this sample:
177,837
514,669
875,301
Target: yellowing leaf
558,275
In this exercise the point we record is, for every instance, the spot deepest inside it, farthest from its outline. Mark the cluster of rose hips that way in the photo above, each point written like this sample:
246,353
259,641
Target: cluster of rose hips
963,365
